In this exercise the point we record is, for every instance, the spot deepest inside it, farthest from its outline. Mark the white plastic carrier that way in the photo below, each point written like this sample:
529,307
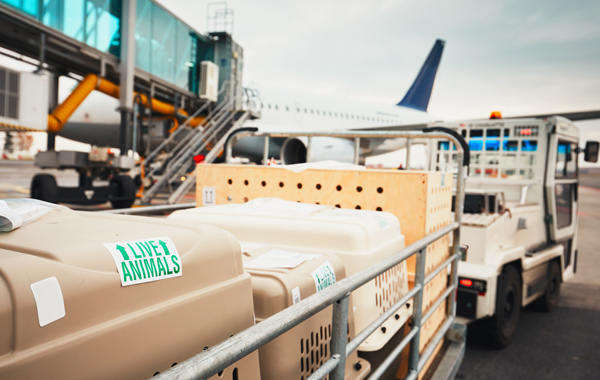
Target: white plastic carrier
281,278
359,237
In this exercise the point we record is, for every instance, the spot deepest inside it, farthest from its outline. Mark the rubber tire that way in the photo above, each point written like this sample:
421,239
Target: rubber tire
549,301
44,188
501,327
124,188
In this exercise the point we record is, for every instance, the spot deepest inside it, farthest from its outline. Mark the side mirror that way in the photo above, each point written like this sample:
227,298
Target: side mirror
590,154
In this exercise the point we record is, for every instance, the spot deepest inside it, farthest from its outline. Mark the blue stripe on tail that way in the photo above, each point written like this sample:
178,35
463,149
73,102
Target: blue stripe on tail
419,93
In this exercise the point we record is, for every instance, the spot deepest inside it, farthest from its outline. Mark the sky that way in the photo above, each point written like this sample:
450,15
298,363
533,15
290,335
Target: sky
517,56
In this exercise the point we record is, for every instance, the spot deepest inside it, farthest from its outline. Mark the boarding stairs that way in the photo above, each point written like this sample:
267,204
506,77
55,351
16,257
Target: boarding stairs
173,160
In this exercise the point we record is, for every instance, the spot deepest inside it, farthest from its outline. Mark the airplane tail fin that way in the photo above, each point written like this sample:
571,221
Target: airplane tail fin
419,93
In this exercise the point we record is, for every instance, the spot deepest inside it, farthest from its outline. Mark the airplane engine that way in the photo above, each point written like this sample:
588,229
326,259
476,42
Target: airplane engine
294,150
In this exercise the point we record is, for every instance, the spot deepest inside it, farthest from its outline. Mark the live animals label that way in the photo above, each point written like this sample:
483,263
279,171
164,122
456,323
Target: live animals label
145,260
324,276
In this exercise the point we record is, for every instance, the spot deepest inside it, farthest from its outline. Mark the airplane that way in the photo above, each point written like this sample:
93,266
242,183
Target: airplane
319,114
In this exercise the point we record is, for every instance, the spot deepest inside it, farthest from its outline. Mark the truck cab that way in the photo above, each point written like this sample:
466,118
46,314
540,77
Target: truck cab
520,217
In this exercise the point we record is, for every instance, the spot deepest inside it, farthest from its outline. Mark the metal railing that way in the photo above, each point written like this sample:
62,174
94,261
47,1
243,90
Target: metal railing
226,353
180,158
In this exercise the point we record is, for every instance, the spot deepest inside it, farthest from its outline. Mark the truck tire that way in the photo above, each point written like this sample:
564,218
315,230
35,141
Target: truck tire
123,187
549,300
501,327
44,188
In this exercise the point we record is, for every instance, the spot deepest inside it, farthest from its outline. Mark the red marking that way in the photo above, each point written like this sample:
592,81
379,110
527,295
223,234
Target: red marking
525,132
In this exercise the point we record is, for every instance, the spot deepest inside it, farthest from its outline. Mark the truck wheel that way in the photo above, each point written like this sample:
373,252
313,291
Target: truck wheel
502,326
123,188
44,188
549,300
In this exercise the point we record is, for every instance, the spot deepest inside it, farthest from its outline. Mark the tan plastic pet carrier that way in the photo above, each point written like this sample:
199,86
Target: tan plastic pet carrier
360,238
281,278
93,296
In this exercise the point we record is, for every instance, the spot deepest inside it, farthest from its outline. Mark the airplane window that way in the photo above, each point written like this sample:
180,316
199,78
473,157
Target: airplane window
298,109
269,106
287,108
330,113
305,110
318,112
276,107
312,111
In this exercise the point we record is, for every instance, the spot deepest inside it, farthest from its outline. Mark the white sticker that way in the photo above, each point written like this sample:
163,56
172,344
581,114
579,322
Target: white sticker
279,259
145,260
209,197
49,300
324,276
296,295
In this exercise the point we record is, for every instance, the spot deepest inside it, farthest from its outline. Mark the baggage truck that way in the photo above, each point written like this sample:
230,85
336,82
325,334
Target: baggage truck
520,217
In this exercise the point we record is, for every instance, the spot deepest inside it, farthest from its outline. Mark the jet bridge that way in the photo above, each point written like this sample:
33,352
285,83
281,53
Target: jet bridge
161,69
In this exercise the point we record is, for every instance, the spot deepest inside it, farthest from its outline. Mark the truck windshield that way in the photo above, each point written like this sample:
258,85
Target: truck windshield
498,153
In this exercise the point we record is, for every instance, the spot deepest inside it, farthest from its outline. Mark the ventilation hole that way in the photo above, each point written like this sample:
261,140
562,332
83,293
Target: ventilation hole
318,186
338,206
280,184
246,182
312,339
338,187
299,185
301,346
397,316
357,207
359,189
358,366
156,373
234,375
383,330
220,373
380,190
229,181
379,209
263,183
317,203
173,365
301,365
205,348
245,199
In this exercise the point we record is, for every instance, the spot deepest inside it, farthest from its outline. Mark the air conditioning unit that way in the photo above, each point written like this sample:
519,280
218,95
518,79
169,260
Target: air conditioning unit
209,81
23,99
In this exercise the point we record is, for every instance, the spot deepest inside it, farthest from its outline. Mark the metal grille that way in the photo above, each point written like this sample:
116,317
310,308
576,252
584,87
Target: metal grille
9,93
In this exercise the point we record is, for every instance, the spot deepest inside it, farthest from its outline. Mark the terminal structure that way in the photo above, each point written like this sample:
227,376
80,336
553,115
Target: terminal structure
179,92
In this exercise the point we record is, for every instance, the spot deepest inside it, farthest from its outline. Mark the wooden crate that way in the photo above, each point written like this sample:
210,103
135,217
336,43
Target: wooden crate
421,200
